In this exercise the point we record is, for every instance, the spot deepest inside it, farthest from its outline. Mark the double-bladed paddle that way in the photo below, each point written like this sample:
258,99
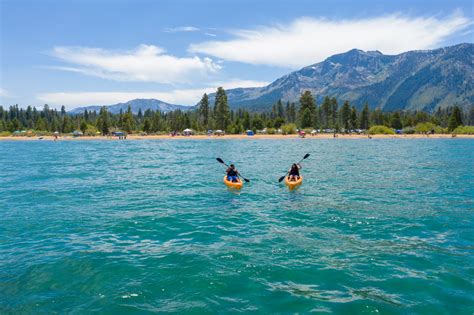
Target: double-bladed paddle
240,175
283,177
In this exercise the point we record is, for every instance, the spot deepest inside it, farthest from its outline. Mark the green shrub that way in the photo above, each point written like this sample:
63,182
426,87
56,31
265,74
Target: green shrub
428,127
5,134
464,130
289,129
424,127
381,130
90,130
271,131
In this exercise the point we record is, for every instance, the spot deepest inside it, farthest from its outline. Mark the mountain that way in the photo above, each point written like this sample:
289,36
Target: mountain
135,105
414,80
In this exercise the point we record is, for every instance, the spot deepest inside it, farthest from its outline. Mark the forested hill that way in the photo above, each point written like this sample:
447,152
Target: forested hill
414,80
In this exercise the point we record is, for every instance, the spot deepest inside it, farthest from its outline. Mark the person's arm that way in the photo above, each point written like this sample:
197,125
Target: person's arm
299,166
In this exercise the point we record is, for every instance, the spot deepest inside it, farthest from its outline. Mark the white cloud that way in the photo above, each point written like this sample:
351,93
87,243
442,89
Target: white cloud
210,34
3,93
181,29
309,40
179,96
147,63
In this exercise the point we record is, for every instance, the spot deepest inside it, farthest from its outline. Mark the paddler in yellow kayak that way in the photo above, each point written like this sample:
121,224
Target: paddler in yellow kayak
232,174
293,176
294,172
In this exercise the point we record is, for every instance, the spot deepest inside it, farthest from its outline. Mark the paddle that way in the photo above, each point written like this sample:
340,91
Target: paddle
240,175
283,177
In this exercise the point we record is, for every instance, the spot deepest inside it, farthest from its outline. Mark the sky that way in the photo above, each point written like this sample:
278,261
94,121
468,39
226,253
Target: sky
77,53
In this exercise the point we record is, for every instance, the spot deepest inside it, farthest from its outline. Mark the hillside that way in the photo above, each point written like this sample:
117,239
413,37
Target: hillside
415,80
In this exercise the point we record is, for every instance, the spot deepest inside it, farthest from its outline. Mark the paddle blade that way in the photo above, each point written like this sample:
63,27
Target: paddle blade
220,160
246,180
281,178
307,155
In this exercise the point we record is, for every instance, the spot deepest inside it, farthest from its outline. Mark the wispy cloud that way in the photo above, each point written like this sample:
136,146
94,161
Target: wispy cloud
210,34
146,63
3,93
181,29
179,96
309,40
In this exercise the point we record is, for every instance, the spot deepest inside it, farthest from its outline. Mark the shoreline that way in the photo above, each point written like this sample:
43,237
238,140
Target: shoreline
229,137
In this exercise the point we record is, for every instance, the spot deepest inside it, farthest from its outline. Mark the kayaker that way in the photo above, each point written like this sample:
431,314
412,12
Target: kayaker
294,172
232,174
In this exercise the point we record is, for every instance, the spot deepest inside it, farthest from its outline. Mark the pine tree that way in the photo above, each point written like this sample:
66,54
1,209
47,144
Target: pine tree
333,113
204,110
247,124
353,117
364,117
83,126
455,120
140,115
326,108
221,109
103,121
307,109
40,124
396,121
280,109
346,116
147,125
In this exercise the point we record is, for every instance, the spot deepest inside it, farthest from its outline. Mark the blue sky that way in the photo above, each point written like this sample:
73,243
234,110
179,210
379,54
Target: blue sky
102,52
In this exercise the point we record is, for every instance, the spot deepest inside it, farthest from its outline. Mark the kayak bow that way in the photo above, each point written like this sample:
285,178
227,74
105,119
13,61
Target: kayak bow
293,184
230,184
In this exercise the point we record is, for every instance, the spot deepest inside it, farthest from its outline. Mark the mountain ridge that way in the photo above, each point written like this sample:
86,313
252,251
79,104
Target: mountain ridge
135,106
413,80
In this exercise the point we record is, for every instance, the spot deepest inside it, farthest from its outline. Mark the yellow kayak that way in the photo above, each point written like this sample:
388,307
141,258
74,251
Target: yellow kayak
230,184
293,184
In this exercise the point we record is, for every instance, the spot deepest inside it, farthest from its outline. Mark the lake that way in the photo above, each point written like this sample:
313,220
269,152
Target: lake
119,227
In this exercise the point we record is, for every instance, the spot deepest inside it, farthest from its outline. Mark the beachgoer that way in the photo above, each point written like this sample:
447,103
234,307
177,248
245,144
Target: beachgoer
294,172
232,173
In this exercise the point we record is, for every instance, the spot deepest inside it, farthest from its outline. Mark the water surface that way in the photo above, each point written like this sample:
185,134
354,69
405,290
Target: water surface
381,225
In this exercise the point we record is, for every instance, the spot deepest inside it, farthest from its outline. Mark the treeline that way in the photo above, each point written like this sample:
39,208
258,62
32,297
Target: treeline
304,115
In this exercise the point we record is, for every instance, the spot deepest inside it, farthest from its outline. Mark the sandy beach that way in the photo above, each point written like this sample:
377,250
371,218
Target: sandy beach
243,137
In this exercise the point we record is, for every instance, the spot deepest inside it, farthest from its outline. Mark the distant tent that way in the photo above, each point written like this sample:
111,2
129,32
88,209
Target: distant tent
77,133
250,133
188,132
219,132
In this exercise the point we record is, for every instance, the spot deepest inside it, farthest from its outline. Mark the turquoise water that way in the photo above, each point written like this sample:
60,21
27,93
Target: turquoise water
115,227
